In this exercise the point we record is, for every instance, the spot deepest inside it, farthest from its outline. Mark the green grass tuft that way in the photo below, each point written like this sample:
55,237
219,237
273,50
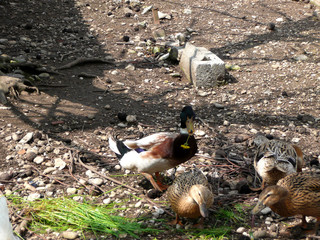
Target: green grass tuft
61,214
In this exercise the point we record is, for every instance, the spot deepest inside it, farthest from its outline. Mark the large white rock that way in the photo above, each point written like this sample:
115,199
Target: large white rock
202,67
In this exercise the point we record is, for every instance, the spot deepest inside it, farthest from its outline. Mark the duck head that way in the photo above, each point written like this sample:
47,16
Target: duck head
187,117
270,196
203,197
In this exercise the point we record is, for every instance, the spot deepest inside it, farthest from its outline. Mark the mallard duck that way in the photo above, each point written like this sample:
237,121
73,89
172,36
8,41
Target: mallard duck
159,151
276,159
6,232
297,193
190,195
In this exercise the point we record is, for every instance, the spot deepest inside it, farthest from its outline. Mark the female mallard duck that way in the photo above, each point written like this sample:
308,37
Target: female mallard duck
190,195
297,193
276,159
159,151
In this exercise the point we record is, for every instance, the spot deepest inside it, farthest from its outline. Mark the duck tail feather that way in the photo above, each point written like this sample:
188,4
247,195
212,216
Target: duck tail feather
118,147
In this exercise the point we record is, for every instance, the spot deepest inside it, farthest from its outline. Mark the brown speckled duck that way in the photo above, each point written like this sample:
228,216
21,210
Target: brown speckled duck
276,159
190,195
159,151
297,193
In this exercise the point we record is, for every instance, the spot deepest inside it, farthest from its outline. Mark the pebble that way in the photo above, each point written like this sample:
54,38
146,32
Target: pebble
27,138
259,234
131,118
90,174
95,181
107,107
49,170
107,201
69,235
130,67
16,137
44,75
38,159
33,196
266,210
59,163
71,191
218,105
200,133
138,204
117,167
30,156
240,230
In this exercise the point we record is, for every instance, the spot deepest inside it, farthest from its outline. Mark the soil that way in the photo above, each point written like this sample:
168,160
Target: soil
273,87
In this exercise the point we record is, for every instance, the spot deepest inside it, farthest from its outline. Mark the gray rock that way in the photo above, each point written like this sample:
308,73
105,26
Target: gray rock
266,210
301,57
260,234
30,156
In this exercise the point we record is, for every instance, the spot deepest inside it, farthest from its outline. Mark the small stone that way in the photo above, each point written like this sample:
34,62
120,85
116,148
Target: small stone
95,181
126,38
49,170
33,196
107,107
259,234
8,138
107,201
226,123
16,137
266,211
27,138
301,57
200,133
271,26
117,167
187,11
114,72
71,191
30,156
44,75
69,235
218,105
122,116
240,230
130,67
59,163
138,204
38,159
146,9
131,118
203,93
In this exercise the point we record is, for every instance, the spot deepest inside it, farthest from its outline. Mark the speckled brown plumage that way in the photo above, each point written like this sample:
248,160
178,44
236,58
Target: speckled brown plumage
190,195
297,193
276,159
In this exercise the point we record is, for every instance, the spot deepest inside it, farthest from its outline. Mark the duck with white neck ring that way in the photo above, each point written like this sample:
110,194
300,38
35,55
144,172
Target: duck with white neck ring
159,151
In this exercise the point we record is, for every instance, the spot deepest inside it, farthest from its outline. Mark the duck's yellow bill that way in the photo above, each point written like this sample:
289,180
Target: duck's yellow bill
190,126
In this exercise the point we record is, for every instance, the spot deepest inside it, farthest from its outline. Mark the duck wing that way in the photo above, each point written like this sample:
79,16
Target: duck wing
150,141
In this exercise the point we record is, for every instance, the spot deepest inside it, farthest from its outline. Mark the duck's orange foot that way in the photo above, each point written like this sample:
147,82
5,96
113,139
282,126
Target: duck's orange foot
199,225
176,221
152,181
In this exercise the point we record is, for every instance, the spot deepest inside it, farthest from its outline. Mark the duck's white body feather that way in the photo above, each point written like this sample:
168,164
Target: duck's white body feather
144,161
6,232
